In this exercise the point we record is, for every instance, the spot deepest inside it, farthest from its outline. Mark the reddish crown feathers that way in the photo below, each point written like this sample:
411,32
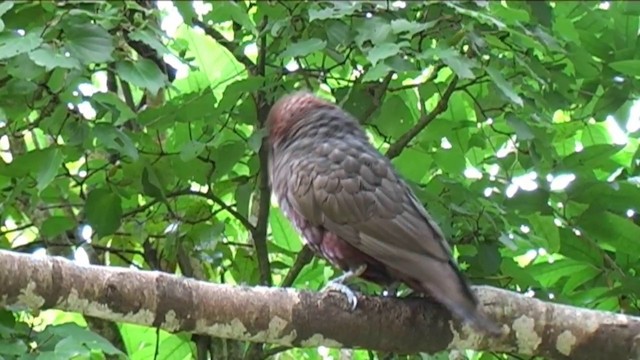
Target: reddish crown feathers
290,109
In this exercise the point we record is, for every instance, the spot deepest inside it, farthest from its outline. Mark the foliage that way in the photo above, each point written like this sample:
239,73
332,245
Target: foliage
514,121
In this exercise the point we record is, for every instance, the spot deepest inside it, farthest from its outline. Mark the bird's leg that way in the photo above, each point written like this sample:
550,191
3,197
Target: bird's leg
338,285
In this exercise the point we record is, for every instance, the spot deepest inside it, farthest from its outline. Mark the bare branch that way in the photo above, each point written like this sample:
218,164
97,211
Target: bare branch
286,317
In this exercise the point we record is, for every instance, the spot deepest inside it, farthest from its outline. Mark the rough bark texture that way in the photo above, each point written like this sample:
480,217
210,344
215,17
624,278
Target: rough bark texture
305,319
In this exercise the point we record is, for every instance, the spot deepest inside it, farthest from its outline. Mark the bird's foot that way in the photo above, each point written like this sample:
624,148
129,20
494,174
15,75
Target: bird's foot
338,285
352,299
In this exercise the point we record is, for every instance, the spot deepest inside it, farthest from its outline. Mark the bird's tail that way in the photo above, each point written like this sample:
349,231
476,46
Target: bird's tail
473,315
458,297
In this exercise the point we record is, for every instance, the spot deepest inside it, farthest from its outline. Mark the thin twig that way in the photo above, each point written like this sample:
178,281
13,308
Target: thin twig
19,228
304,257
208,195
396,148
275,350
380,92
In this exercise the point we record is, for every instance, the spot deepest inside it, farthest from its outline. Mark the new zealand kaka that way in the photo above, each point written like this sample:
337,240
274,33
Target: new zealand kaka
353,209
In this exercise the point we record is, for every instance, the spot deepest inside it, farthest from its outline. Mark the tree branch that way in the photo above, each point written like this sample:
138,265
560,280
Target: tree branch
304,319
262,109
396,148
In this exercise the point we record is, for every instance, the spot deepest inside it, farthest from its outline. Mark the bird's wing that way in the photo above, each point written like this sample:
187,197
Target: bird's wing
361,199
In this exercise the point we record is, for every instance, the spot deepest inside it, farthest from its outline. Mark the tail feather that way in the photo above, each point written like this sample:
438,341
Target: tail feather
450,288
471,314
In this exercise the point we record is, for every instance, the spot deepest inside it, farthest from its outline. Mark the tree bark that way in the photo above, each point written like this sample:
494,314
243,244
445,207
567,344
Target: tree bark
306,319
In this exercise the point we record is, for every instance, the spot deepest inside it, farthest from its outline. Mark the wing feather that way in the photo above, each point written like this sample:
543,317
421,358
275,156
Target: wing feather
371,208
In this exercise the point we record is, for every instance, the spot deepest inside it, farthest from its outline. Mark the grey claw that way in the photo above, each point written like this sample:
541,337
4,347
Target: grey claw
352,299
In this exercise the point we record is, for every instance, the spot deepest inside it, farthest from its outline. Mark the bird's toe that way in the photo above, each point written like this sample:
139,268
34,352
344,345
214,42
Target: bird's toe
352,299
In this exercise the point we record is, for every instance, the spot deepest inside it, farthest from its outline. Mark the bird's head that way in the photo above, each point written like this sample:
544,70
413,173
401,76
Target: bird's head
289,112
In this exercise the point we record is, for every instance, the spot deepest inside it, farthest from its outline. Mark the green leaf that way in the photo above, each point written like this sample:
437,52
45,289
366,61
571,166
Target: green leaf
504,86
338,33
50,161
461,65
152,184
579,248
529,202
114,107
616,231
544,228
565,28
223,11
283,232
103,210
410,27
49,58
191,150
13,347
591,157
4,7
227,156
543,12
115,139
303,48
549,274
23,67
618,196
339,9
142,73
488,258
382,51
152,39
243,198
406,164
56,225
13,44
523,130
376,72
202,234
394,118
580,278
255,140
186,10
89,43
376,31
451,161
627,67
77,339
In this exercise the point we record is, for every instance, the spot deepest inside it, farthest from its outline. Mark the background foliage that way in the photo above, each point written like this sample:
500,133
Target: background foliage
131,135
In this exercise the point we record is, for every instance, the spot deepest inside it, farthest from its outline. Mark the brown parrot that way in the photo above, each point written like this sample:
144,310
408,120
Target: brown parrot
353,209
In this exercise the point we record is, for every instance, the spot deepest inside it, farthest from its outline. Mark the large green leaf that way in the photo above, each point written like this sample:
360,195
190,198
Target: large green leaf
143,73
283,232
103,210
89,43
303,48
612,230
13,44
